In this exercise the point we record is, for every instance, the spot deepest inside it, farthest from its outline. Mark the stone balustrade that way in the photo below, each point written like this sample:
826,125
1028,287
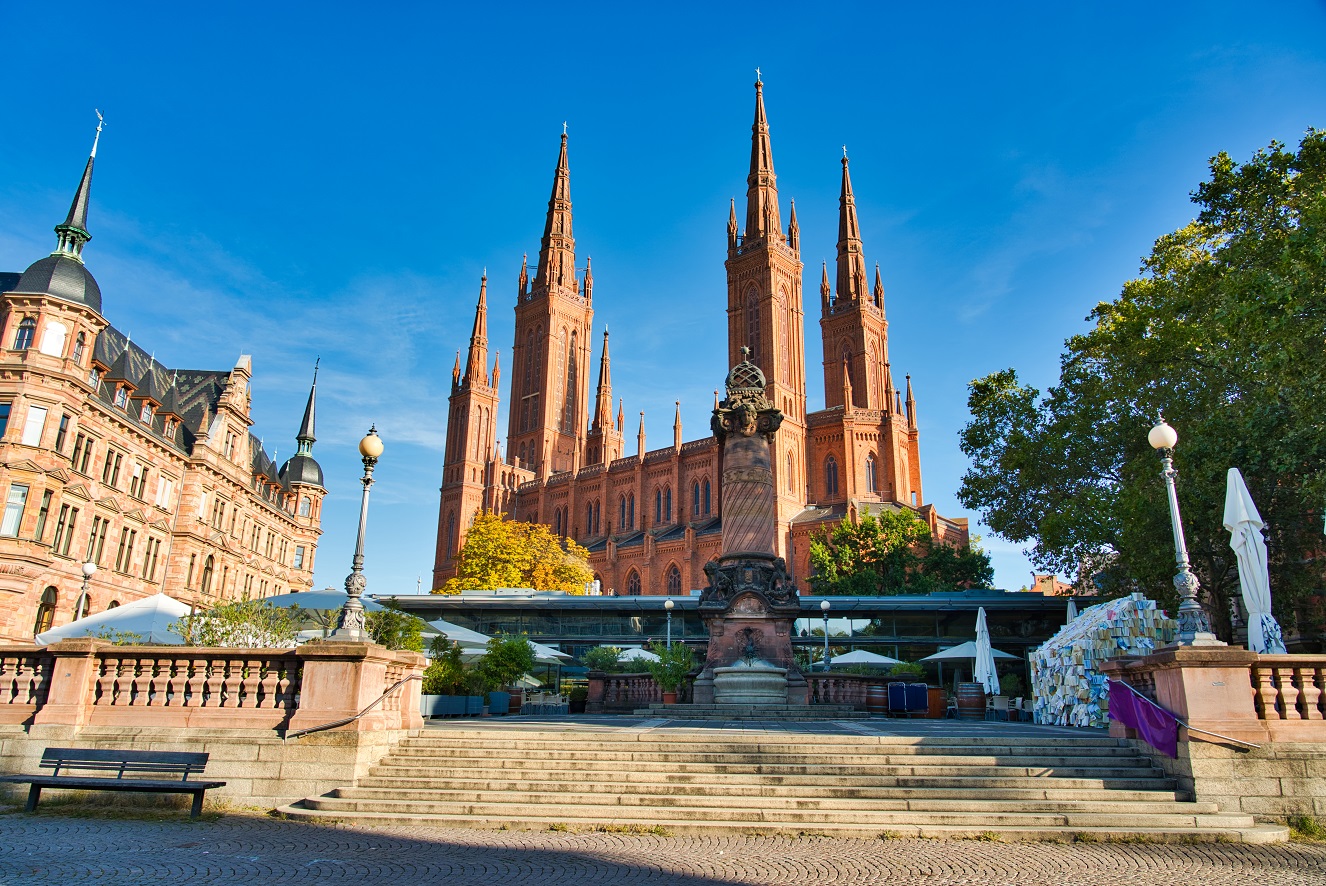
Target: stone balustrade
840,689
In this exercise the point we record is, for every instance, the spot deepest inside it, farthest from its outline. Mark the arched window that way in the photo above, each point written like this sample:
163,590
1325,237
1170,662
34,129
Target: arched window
589,518
208,566
597,524
305,506
26,330
559,380
451,535
658,506
706,496
674,580
831,476
784,334
633,584
621,517
46,611
695,499
114,604
667,505
630,510
80,344
870,472
557,521
791,474
569,402
753,324
876,370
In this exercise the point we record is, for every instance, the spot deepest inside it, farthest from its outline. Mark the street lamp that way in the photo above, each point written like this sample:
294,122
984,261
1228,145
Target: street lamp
89,569
824,608
350,624
667,606
1194,623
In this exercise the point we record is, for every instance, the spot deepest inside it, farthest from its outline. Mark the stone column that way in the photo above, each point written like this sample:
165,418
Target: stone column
69,700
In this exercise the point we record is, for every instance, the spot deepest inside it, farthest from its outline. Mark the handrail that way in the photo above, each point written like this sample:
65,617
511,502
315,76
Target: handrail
1134,691
390,689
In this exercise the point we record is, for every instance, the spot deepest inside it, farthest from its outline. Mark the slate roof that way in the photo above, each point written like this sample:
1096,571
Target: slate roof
62,277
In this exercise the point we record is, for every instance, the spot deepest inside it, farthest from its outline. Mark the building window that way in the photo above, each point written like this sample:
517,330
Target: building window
706,496
96,540
674,580
82,453
42,513
299,549
145,414
171,424
695,499
110,471
913,499
633,584
597,513
791,473
150,555
831,476
14,504
753,325
46,611
138,481
94,378
26,330
53,338
121,397
188,578
305,506
219,514
124,557
208,567
80,344
62,433
34,426
4,418
165,487
114,604
870,472
64,530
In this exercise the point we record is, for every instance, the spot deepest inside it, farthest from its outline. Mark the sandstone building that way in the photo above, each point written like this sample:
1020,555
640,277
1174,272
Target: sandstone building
651,518
110,458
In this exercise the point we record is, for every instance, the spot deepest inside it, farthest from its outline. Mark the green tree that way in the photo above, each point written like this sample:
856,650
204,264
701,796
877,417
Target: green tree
502,553
244,624
892,553
446,673
1223,332
674,663
509,657
603,658
395,629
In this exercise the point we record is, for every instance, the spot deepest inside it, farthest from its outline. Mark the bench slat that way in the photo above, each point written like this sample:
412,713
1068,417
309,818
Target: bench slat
170,763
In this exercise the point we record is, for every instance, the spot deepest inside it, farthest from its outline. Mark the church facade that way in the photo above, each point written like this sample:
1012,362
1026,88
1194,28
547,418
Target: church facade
123,478
651,519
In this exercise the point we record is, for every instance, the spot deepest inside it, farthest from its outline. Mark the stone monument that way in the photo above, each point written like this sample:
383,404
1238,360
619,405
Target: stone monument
751,602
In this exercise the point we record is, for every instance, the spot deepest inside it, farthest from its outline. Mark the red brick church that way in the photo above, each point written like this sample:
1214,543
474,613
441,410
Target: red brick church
652,519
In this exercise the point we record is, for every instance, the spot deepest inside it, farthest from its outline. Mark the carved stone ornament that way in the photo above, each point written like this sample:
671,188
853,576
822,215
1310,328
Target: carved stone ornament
731,578
355,583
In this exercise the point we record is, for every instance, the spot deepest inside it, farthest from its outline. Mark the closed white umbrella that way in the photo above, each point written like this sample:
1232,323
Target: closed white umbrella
149,618
985,666
1072,610
1245,527
862,657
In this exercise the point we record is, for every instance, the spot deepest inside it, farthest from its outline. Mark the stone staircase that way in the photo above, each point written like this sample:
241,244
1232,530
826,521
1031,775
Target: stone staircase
853,784
751,713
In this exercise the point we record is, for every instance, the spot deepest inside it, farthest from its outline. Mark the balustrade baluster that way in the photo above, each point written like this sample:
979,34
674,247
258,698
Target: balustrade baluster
1309,687
1266,695
1288,706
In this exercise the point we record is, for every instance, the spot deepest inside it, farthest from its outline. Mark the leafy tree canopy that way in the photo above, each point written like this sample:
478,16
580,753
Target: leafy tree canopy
395,629
1223,332
892,553
502,553
244,624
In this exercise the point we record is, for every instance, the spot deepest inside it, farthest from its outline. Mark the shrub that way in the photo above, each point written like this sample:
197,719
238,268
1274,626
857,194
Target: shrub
395,629
907,669
509,657
244,624
603,658
674,663
446,673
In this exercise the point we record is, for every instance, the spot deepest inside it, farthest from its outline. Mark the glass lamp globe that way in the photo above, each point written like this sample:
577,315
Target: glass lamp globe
371,445
89,569
824,606
1162,436
668,604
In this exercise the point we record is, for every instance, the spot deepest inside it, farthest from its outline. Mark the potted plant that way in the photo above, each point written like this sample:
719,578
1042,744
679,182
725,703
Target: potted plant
669,672
577,698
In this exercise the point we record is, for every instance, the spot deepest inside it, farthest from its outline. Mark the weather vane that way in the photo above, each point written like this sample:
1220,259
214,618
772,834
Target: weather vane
563,127
844,152
101,121
757,75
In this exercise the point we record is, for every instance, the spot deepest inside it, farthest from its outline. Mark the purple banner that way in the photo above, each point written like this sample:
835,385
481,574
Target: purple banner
1153,724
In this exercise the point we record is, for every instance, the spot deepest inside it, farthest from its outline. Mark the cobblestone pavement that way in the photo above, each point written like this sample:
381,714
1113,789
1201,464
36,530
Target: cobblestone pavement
52,848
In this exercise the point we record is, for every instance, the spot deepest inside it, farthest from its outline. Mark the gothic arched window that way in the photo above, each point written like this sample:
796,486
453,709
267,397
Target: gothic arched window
667,505
674,580
831,476
451,535
46,611
26,330
753,324
706,496
633,584
596,518
695,499
569,403
208,566
791,472
658,506
870,472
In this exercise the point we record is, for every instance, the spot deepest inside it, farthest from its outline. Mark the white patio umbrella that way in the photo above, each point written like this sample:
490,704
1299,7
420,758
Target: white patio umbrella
1245,527
464,636
1072,611
149,618
862,657
984,672
962,652
637,654
326,600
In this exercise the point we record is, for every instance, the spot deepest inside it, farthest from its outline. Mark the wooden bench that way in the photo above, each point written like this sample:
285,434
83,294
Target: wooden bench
164,765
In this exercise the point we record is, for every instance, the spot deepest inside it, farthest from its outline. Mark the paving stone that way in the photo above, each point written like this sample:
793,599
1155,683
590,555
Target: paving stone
58,849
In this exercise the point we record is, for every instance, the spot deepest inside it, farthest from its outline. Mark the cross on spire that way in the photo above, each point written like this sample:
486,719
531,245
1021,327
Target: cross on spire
757,76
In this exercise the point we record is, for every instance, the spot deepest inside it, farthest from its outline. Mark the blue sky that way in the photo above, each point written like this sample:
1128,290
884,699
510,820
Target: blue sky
300,180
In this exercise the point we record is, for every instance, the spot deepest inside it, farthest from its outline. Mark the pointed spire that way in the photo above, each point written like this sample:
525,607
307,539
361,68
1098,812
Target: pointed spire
455,372
589,279
732,230
73,234
305,436
476,364
826,294
497,370
851,262
603,398
794,231
879,289
524,277
847,385
557,248
888,387
621,417
762,218
911,404
640,436
676,428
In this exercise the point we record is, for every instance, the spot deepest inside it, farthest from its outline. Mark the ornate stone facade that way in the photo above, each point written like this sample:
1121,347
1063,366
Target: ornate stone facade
109,457
651,520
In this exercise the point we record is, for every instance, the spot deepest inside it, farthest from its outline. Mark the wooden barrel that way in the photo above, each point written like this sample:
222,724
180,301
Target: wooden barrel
877,698
971,701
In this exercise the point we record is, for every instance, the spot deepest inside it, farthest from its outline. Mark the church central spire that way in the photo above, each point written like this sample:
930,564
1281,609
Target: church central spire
851,260
476,364
762,218
557,259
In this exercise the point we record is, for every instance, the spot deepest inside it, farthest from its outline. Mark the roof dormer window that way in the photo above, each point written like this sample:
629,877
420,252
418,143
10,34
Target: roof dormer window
94,377
145,414
122,397
169,429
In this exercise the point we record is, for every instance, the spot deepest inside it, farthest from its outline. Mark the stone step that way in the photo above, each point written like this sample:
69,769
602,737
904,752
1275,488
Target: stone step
419,756
1258,834
517,737
872,769
774,800
810,817
866,789
742,714
815,747
716,781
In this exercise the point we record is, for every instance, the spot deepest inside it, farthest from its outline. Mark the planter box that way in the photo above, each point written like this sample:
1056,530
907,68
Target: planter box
450,705
499,703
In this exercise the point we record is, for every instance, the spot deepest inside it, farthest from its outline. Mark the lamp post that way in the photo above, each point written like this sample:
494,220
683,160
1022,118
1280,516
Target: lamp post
88,569
350,624
824,608
667,606
1194,623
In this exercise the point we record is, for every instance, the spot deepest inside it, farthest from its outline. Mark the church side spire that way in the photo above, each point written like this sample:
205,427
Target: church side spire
732,230
879,289
603,398
476,364
557,248
851,261
305,437
676,428
826,294
911,404
762,218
